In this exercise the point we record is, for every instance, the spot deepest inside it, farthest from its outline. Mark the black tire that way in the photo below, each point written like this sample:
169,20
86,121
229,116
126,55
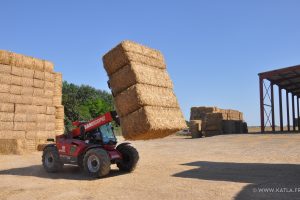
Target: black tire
96,162
130,158
51,160
80,162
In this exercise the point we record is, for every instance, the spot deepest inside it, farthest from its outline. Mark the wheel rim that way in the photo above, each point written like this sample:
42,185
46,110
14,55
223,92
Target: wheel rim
49,160
93,163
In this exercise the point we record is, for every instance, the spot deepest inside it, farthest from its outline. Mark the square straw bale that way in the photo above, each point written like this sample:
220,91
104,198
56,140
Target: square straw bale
41,126
31,117
17,71
6,117
7,107
26,99
49,76
5,98
48,66
152,122
5,79
27,91
15,89
30,126
20,126
6,125
31,134
38,64
27,82
15,98
16,80
20,117
4,88
127,52
50,110
50,118
139,73
39,75
38,83
49,85
50,126
57,100
141,95
17,60
48,93
12,146
5,69
5,57
59,113
29,73
38,92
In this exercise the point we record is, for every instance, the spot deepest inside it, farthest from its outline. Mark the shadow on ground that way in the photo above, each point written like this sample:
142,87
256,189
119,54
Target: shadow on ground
69,172
285,177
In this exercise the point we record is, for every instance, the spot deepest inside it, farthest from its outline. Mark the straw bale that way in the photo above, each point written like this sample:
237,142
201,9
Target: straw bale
16,80
15,98
42,101
58,79
38,83
26,99
30,126
41,126
6,125
140,95
48,101
4,88
31,117
57,100
38,64
37,92
11,146
27,82
60,113
213,125
7,107
5,57
28,62
41,109
20,117
50,110
152,122
31,134
5,69
59,124
195,128
30,144
127,52
57,91
14,89
49,85
39,75
50,118
30,109
17,71
59,132
20,126
48,66
48,93
6,117
50,126
49,76
241,116
17,60
212,116
10,134
139,73
28,73
41,118
5,79
199,113
27,91
5,98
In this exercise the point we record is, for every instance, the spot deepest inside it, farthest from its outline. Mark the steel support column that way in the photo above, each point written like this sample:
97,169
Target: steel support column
280,108
293,112
262,114
272,107
288,111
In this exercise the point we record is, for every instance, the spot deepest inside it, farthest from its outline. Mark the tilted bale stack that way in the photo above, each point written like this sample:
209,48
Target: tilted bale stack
216,121
27,112
143,92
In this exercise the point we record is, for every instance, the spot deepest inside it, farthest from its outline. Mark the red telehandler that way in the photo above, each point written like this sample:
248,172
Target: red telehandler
91,146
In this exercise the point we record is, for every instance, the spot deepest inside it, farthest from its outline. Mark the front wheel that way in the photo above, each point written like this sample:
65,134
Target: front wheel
130,157
96,162
51,160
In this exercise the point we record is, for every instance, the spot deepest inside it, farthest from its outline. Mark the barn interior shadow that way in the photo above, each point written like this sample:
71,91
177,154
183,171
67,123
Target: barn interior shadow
259,175
69,172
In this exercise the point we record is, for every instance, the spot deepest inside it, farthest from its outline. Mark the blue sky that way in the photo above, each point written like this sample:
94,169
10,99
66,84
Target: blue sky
214,49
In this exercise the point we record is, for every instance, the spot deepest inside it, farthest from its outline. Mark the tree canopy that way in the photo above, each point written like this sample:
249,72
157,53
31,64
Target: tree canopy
84,103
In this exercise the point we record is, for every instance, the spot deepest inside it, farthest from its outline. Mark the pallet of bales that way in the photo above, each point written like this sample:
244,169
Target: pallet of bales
143,92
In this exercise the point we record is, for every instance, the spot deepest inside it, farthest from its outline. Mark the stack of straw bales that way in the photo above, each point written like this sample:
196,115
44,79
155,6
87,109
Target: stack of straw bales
217,121
196,128
27,101
143,92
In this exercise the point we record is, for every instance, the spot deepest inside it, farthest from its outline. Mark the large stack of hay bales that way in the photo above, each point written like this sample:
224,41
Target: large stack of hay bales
215,121
143,92
28,88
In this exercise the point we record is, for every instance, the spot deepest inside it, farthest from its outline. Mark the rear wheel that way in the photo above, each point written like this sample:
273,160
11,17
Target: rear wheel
130,157
96,162
51,160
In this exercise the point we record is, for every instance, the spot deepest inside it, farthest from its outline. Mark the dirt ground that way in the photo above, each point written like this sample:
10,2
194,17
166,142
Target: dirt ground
220,167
